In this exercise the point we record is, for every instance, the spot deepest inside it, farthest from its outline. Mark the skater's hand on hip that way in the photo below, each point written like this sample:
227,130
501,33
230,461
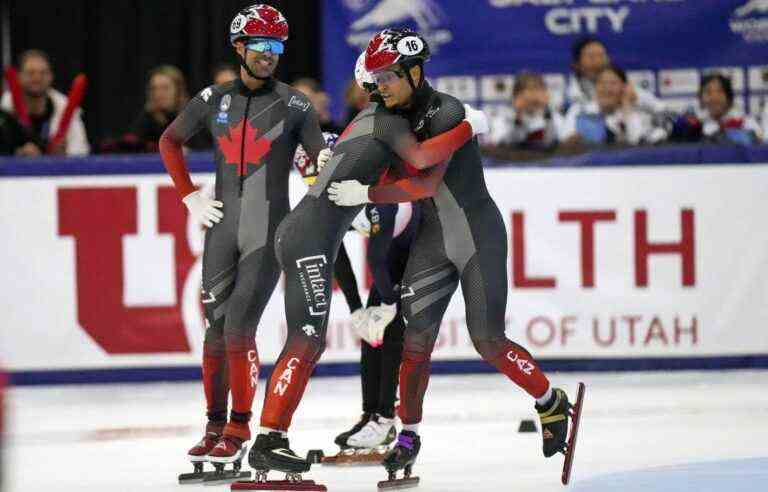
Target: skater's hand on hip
323,157
203,209
348,193
476,119
379,317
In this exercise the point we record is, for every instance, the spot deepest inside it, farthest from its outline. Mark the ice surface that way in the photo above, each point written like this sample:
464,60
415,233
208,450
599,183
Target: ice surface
692,431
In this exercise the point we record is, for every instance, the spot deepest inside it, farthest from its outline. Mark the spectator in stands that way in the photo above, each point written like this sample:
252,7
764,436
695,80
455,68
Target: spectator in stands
224,72
320,101
590,57
356,99
14,140
531,124
611,118
166,96
45,106
718,118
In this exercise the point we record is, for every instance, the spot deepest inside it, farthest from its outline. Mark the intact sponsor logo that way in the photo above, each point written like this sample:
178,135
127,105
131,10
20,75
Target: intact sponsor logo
678,81
425,16
313,281
299,103
750,21
206,94
286,377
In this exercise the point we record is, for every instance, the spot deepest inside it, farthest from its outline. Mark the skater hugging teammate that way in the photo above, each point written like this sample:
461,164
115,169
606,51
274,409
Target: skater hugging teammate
461,240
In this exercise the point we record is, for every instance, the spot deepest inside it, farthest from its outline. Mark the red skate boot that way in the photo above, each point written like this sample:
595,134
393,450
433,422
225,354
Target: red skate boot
198,454
230,448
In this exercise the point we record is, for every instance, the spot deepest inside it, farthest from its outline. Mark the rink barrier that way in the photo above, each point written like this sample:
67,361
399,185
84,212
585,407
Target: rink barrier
439,367
202,162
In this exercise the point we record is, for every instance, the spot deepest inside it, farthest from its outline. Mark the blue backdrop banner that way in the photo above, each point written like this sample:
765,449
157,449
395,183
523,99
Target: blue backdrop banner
478,45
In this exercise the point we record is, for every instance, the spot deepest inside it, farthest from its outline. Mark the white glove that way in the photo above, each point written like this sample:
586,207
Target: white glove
379,317
322,158
203,209
348,193
360,323
476,119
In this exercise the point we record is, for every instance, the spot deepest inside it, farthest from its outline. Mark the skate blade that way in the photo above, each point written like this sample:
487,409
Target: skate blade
280,486
362,459
571,446
399,483
192,478
216,478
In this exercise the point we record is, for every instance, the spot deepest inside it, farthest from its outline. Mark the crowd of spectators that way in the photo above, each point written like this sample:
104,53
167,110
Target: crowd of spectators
600,107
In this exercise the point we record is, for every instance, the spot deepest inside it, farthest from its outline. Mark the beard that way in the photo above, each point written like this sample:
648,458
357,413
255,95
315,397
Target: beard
262,67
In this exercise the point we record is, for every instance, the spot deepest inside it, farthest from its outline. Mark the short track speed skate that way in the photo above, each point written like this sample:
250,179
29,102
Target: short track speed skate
554,418
402,457
368,446
198,455
357,457
272,452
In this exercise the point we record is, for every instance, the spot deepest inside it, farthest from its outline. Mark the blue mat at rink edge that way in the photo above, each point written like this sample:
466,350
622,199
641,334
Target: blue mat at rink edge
201,162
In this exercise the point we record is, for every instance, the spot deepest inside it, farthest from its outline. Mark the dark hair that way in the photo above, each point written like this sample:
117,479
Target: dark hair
725,83
578,46
618,71
524,80
26,55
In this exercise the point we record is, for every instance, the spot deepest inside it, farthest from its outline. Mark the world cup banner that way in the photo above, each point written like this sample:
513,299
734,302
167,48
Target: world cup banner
666,46
659,262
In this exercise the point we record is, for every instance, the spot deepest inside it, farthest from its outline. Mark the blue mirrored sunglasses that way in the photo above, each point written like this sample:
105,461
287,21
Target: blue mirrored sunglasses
266,46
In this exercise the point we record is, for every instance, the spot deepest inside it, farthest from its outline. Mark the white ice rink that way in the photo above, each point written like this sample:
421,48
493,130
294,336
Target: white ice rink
693,431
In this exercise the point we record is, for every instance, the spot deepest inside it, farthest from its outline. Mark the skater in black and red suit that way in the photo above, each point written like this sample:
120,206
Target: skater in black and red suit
256,123
307,242
461,240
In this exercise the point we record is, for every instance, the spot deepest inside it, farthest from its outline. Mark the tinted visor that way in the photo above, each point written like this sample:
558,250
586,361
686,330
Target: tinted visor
266,46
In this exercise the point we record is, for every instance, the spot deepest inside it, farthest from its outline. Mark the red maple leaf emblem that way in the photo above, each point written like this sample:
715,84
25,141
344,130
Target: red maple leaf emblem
232,147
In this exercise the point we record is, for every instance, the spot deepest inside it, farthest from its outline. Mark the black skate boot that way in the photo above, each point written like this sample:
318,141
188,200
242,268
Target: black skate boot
341,439
554,422
272,452
402,457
